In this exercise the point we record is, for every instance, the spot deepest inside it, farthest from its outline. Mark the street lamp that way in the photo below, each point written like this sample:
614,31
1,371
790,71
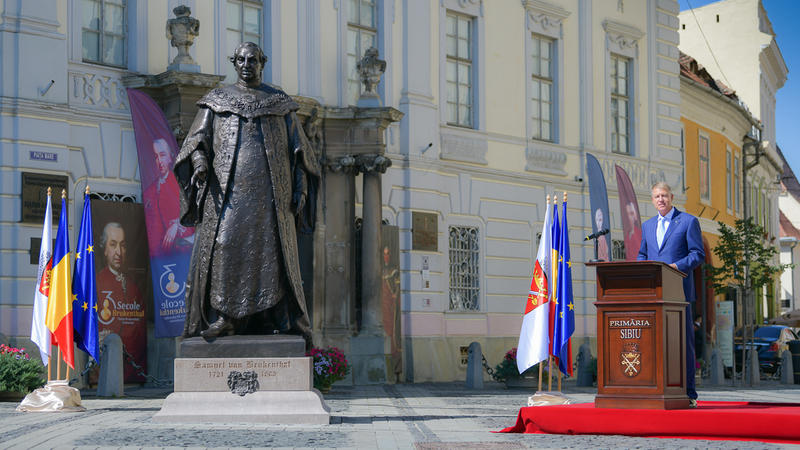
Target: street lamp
756,148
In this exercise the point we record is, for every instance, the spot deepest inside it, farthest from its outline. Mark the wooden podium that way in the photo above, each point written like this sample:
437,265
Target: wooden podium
641,341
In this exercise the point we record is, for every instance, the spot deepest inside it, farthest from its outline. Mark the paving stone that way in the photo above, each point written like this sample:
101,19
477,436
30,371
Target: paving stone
423,416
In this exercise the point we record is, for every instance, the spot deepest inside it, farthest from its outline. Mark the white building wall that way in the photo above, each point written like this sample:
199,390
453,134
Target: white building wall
494,177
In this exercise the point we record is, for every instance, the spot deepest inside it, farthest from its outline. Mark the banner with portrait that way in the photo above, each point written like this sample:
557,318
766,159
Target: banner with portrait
598,199
629,211
170,243
123,289
390,297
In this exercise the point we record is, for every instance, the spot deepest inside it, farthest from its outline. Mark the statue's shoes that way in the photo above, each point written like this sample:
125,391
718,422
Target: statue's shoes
222,327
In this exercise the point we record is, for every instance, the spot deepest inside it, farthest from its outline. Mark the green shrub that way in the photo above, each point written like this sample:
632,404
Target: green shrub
18,372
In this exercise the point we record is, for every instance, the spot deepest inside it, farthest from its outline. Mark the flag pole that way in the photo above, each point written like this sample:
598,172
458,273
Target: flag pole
58,357
553,277
49,358
564,212
540,375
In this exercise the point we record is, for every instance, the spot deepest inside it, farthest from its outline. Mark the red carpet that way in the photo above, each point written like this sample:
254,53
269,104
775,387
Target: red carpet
739,421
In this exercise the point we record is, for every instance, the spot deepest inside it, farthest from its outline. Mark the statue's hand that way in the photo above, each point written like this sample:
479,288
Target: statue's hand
298,201
199,176
200,165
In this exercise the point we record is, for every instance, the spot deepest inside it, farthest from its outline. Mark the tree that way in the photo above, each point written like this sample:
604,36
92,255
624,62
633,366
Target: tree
746,261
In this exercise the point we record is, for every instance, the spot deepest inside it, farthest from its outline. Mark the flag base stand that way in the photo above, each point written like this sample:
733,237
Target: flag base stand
55,396
547,398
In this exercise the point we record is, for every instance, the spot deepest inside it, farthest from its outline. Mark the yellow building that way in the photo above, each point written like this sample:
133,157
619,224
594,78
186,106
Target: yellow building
715,126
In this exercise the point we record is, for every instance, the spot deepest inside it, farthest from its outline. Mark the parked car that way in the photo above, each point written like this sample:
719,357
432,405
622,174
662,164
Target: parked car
769,341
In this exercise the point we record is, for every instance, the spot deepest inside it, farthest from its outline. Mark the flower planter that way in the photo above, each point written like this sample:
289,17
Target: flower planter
11,396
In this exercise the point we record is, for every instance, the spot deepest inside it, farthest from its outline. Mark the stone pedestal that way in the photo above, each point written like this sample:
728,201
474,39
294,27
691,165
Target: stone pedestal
247,346
244,381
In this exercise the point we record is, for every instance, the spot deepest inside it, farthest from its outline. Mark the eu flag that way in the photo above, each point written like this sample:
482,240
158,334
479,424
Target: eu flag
565,309
84,287
555,234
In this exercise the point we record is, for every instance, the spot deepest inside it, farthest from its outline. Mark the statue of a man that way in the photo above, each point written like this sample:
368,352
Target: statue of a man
242,171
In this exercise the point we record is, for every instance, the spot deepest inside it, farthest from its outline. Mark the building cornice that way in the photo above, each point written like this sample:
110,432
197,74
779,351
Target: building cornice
736,105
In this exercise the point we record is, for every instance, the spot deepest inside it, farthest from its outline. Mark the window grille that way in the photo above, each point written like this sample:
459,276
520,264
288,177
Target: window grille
617,249
111,197
464,268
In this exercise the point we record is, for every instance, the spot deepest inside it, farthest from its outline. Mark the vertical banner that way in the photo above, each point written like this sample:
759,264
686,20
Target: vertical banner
390,295
122,283
598,199
169,242
629,211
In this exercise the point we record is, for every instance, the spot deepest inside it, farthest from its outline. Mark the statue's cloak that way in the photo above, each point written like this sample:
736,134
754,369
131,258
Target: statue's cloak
215,134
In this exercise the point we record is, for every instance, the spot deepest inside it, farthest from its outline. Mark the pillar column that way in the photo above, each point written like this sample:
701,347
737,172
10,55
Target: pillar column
372,167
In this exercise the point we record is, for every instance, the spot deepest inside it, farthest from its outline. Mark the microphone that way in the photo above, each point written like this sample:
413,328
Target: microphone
602,232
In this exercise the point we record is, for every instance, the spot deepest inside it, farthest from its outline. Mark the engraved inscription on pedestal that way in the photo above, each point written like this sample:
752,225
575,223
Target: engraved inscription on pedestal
212,374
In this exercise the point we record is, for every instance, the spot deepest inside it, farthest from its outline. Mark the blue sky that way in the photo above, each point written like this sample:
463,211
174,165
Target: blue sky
783,14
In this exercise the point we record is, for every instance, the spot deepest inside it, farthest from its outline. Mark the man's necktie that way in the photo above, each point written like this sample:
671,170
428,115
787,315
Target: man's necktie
661,230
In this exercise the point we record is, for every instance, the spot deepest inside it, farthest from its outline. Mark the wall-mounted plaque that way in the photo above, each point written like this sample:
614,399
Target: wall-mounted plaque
34,196
424,231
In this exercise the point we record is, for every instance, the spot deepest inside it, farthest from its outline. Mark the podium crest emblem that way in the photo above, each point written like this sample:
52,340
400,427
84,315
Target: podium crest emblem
631,359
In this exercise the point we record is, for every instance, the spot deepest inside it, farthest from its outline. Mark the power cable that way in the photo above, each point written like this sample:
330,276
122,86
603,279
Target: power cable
691,8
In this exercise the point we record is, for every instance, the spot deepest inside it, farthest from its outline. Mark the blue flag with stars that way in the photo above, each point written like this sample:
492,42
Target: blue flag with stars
554,247
84,288
565,310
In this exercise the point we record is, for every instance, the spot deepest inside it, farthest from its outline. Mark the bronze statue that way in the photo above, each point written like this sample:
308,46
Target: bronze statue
243,172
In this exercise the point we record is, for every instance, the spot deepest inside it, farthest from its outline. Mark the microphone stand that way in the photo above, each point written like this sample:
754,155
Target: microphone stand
596,258
595,237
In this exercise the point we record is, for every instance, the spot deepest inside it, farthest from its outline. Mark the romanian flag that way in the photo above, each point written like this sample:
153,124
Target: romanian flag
534,336
565,310
59,303
84,287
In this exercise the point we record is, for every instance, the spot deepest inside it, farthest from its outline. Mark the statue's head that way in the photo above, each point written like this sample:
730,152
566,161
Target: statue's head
181,11
248,59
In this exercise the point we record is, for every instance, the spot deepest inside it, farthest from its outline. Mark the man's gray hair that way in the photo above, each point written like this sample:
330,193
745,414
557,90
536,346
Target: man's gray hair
661,185
104,238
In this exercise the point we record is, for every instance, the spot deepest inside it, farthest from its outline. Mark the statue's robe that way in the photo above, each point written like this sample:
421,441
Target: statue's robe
245,257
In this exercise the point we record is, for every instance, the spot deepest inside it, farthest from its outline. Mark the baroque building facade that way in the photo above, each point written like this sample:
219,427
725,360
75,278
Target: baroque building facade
502,100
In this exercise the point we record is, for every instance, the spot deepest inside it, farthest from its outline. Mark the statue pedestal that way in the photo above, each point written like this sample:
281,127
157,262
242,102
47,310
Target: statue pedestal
240,379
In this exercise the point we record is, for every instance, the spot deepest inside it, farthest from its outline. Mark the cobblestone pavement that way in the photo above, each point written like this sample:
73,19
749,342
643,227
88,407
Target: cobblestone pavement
421,416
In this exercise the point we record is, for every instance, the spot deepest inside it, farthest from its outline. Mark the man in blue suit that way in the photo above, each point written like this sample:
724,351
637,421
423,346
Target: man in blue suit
674,237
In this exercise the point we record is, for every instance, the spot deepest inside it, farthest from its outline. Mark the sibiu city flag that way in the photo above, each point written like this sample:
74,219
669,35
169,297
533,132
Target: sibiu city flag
59,303
40,335
84,287
534,336
565,310
555,239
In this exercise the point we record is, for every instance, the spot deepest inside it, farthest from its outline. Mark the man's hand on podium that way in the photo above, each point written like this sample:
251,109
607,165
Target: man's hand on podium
674,266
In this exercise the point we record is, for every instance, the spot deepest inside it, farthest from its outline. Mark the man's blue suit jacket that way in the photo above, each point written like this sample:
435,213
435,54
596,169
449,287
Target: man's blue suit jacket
682,245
